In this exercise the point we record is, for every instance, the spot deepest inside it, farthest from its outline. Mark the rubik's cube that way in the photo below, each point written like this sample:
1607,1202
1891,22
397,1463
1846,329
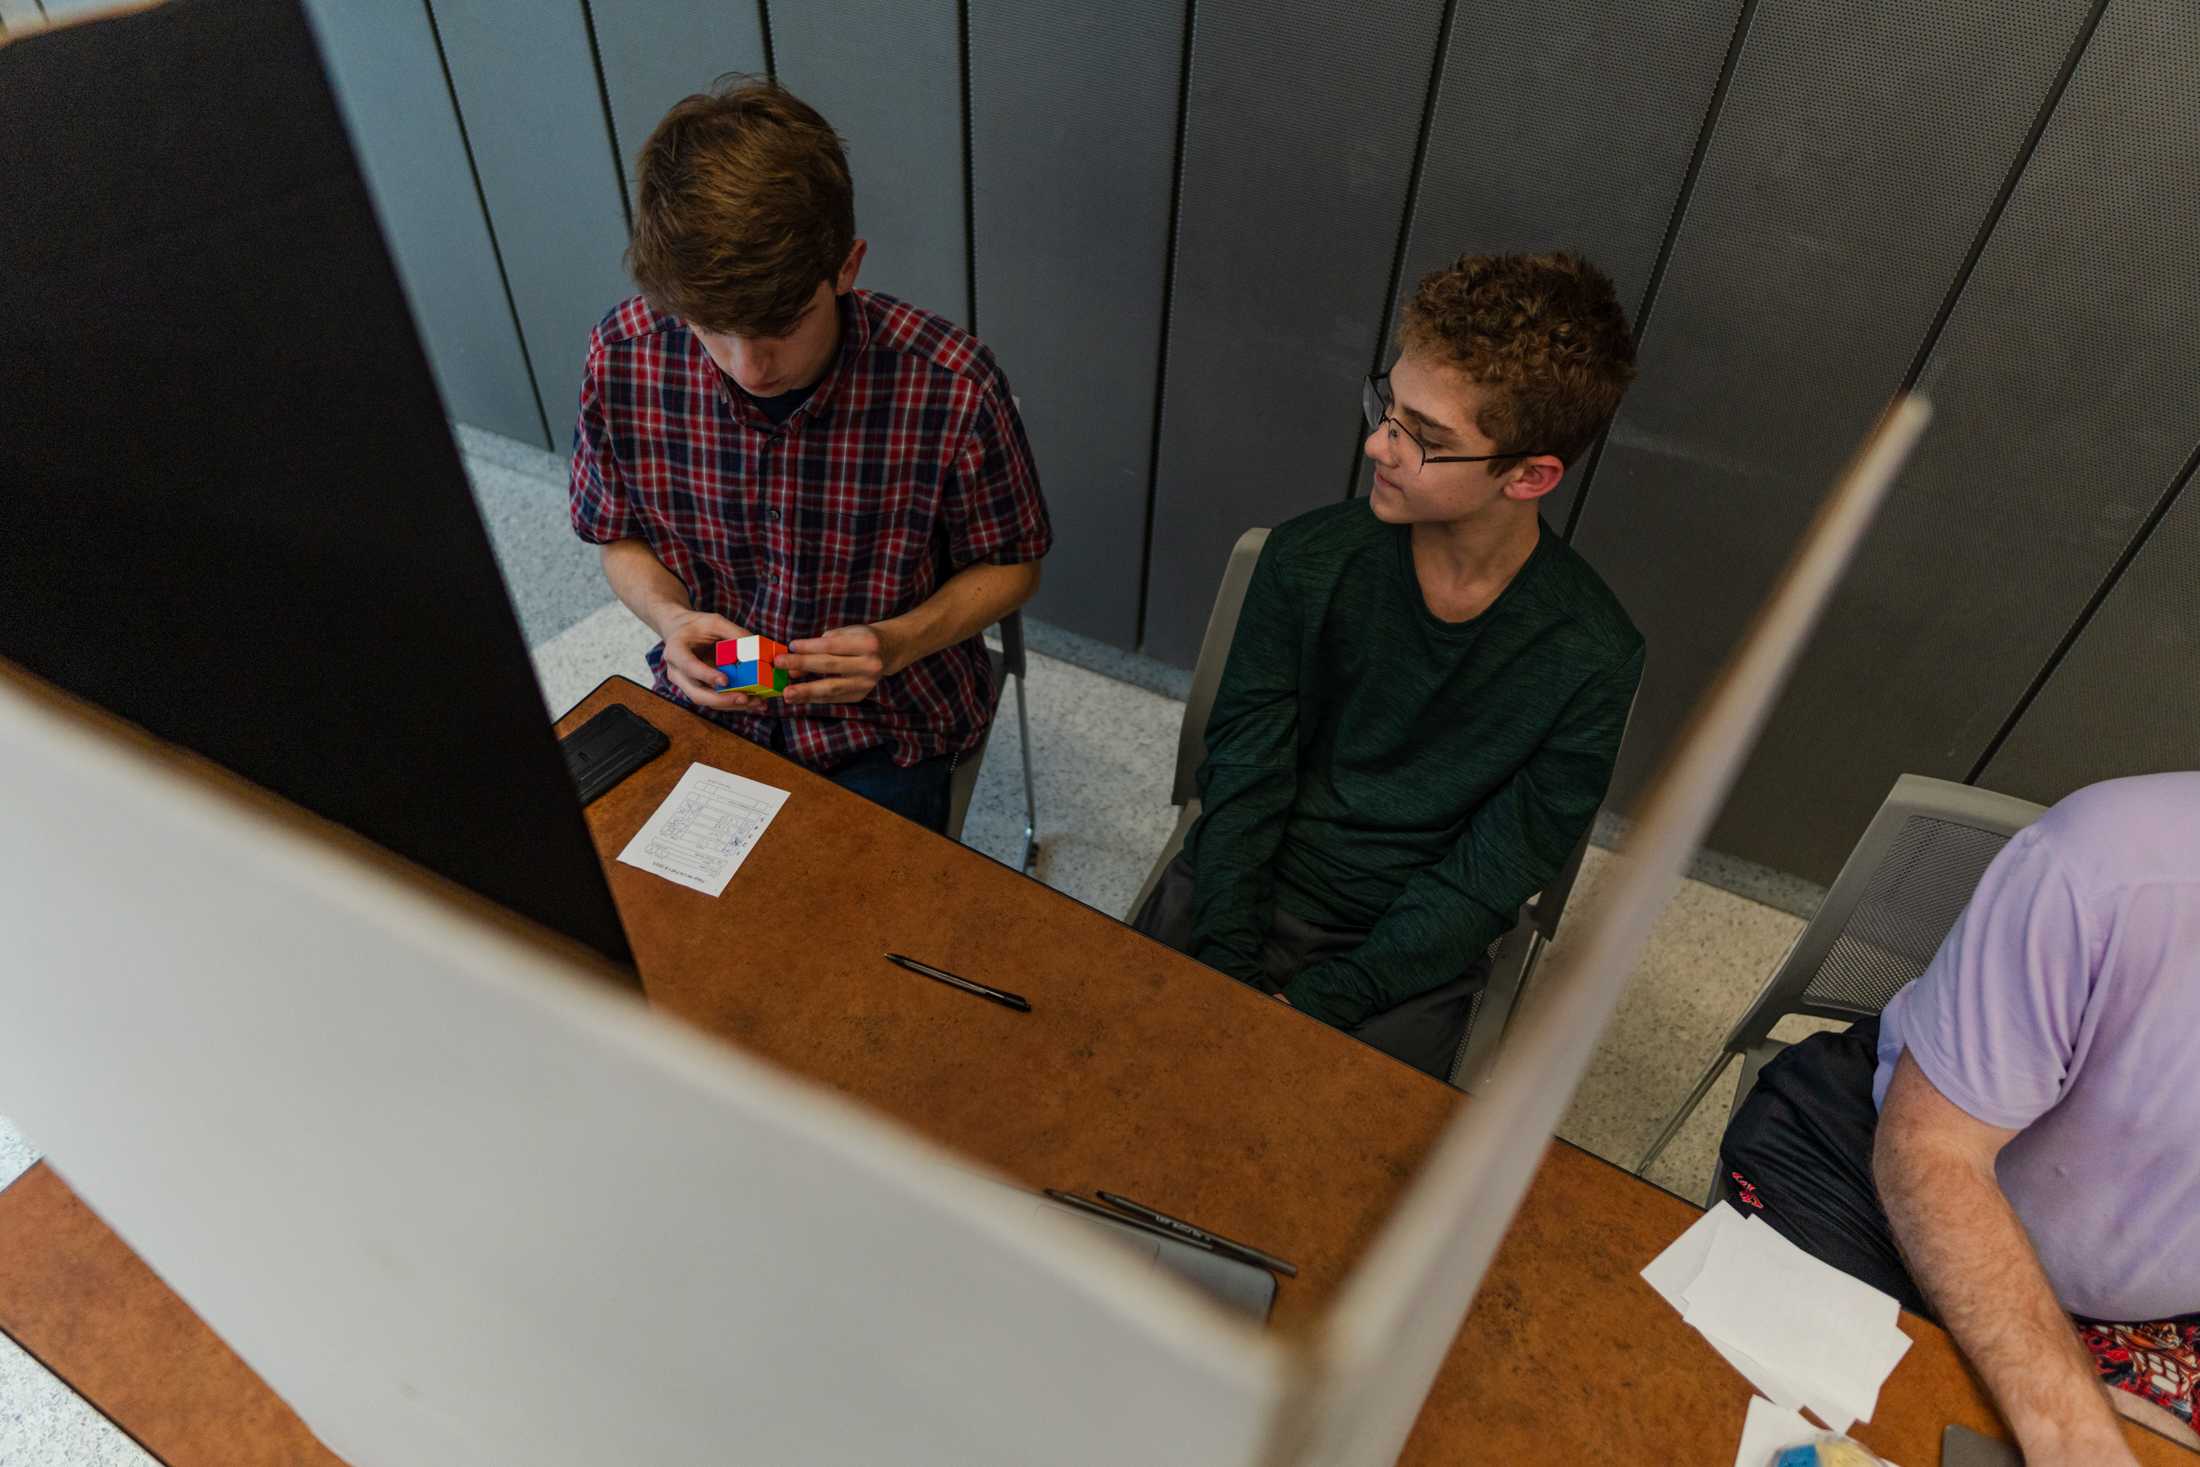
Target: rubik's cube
748,662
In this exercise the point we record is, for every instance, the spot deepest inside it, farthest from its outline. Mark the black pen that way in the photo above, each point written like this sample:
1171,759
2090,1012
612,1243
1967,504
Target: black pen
1000,996
1243,1252
1087,1205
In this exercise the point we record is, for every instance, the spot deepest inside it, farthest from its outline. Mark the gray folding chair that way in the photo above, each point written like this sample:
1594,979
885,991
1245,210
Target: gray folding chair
1897,897
1513,956
1006,663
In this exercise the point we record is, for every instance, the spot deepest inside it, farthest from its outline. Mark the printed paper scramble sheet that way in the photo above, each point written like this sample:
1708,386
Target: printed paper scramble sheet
703,831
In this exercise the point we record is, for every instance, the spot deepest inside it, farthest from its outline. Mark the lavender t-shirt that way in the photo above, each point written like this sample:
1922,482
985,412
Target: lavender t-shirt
2065,1004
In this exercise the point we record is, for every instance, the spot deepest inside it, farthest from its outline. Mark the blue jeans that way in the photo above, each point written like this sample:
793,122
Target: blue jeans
917,793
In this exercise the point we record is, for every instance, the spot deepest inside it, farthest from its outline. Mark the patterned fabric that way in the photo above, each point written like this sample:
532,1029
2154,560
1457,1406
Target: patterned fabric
2156,1362
907,464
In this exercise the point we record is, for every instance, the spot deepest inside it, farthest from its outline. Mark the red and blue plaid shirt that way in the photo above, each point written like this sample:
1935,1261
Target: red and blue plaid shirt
907,464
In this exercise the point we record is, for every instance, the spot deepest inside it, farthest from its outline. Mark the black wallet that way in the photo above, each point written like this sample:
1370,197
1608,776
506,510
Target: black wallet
608,748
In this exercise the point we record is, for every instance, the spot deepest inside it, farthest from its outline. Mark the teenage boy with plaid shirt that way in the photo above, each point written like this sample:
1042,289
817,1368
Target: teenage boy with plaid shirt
764,449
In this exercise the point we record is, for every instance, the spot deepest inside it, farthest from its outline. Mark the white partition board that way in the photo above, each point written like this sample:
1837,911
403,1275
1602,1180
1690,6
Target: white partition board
460,1203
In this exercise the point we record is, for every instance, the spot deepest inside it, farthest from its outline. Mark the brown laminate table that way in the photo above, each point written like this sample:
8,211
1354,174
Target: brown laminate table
1138,1070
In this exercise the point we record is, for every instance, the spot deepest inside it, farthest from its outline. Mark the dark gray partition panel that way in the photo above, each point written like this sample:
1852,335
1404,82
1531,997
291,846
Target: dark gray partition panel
382,64
527,92
2126,700
1072,147
654,52
888,75
2067,394
1298,147
1562,126
1859,150
192,253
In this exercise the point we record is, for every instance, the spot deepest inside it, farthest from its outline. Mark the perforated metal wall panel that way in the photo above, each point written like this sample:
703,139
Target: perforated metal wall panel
2067,385
887,74
527,92
2126,700
383,66
1563,126
654,52
1072,147
1298,148
1859,150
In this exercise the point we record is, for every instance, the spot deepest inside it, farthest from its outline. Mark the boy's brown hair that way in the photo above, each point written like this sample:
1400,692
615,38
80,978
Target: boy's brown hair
743,204
1544,335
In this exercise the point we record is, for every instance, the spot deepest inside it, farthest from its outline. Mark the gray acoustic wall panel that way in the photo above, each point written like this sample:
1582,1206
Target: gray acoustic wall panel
1561,126
2126,700
887,74
2067,391
1072,147
654,52
1298,150
1858,152
527,92
383,66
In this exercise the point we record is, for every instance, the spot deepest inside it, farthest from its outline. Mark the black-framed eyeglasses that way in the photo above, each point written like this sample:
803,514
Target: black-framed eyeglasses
1375,405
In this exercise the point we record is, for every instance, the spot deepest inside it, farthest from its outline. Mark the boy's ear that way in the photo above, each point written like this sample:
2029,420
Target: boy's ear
845,281
1536,477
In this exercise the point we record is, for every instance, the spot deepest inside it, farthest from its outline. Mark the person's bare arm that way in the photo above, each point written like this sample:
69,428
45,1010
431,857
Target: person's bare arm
846,663
1934,1166
639,579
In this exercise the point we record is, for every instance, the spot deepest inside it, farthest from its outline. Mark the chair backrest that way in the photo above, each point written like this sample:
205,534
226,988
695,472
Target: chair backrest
1897,897
1214,651
1002,665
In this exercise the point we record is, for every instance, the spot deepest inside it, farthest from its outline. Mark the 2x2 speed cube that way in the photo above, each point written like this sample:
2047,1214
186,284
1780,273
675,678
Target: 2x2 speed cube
749,666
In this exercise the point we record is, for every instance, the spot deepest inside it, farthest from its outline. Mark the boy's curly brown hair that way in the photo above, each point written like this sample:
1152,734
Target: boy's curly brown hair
742,205
1544,334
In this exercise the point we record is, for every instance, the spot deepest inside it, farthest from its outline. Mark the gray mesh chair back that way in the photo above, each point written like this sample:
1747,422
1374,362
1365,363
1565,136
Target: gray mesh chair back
1513,956
1007,663
1885,916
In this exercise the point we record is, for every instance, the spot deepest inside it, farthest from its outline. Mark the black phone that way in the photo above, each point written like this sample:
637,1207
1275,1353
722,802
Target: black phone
608,748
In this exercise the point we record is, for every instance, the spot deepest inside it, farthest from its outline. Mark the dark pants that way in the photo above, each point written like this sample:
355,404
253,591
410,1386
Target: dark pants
919,792
1799,1155
1424,1031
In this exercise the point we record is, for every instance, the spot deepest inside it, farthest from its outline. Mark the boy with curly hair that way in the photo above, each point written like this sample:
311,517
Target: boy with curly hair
1427,688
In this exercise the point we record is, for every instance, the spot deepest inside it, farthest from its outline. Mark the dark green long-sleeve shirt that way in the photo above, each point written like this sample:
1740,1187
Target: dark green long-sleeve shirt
1371,766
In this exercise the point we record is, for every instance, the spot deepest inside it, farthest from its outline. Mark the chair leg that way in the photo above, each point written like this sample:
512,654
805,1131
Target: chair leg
1687,1108
1031,797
